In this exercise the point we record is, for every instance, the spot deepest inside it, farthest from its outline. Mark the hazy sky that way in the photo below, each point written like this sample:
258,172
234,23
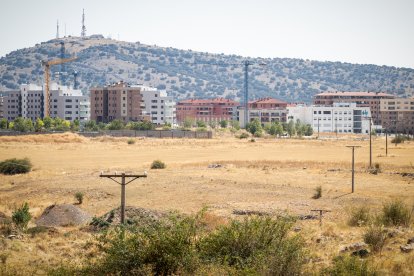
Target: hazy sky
357,31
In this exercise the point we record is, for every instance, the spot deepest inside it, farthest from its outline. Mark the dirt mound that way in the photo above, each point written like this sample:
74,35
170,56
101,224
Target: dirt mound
133,215
63,215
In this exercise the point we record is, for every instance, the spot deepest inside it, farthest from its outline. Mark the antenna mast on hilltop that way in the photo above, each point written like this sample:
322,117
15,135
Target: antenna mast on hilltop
57,29
83,33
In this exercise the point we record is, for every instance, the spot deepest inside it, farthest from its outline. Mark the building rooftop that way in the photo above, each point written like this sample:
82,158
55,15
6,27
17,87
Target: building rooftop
355,94
208,101
267,101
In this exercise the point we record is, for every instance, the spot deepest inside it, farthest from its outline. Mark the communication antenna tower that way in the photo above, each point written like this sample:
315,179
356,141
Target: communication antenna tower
83,33
57,29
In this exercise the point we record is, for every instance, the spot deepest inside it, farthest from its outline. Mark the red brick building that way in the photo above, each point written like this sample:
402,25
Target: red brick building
206,110
268,103
117,101
362,99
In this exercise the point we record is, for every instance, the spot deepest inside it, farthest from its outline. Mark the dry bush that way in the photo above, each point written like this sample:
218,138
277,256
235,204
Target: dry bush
158,164
396,213
375,237
66,137
359,216
318,192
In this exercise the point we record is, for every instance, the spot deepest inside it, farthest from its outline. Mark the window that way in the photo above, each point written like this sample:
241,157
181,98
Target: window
68,106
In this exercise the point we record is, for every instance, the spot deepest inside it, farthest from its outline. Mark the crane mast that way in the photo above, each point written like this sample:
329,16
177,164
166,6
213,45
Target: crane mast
46,65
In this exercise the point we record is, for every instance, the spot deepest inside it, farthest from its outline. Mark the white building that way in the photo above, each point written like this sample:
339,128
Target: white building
69,104
158,105
263,115
28,102
340,118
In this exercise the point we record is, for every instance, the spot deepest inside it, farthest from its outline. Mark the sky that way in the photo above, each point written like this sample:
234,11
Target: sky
377,32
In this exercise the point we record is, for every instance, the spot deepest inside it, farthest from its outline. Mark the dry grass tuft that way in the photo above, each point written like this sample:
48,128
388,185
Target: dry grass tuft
66,137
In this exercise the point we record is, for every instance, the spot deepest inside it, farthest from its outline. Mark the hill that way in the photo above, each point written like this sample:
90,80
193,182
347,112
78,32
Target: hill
186,73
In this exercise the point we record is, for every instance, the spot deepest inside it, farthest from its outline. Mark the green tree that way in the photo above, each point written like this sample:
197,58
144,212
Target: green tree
308,130
116,125
235,124
48,123
61,125
212,124
39,124
188,123
201,124
223,124
275,129
254,127
22,125
290,128
74,126
3,123
90,126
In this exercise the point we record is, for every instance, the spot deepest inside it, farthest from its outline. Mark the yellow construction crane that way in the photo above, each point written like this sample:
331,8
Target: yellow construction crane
46,65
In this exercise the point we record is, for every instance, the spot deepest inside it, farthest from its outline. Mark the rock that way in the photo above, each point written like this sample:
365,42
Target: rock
362,253
407,248
353,247
410,241
306,217
214,166
250,213
297,229
392,233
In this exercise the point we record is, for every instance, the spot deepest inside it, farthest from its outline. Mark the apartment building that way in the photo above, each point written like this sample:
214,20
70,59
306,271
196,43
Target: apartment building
340,117
362,99
265,110
397,115
158,105
69,105
117,101
206,110
28,102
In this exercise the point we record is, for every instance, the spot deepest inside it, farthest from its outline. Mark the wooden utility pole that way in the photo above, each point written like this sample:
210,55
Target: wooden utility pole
386,142
321,211
353,164
123,183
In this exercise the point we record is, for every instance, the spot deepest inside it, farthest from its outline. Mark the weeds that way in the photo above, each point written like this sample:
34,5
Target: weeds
22,216
346,265
318,192
157,164
396,213
79,197
359,216
243,135
131,141
15,166
375,237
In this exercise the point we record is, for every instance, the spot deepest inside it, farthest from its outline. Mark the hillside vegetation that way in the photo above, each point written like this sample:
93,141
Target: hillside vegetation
186,73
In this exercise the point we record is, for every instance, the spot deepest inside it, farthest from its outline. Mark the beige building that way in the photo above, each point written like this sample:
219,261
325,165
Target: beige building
117,101
362,99
397,115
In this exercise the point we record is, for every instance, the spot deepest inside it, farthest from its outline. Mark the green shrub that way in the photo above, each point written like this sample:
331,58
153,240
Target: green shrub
259,243
359,216
79,197
22,216
131,141
318,192
375,237
346,265
243,135
163,249
15,166
396,213
157,164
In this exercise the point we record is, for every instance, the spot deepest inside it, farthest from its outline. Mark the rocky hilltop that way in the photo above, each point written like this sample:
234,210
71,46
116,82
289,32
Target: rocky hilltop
186,73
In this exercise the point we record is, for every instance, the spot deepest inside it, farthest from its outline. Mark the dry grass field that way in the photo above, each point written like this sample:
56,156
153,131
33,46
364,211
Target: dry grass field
269,175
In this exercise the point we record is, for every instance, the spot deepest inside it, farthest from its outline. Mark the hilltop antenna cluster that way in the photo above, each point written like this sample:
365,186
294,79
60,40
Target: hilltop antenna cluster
83,33
57,29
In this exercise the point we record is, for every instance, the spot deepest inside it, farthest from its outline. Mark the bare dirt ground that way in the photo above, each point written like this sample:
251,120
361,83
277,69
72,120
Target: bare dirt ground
269,175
